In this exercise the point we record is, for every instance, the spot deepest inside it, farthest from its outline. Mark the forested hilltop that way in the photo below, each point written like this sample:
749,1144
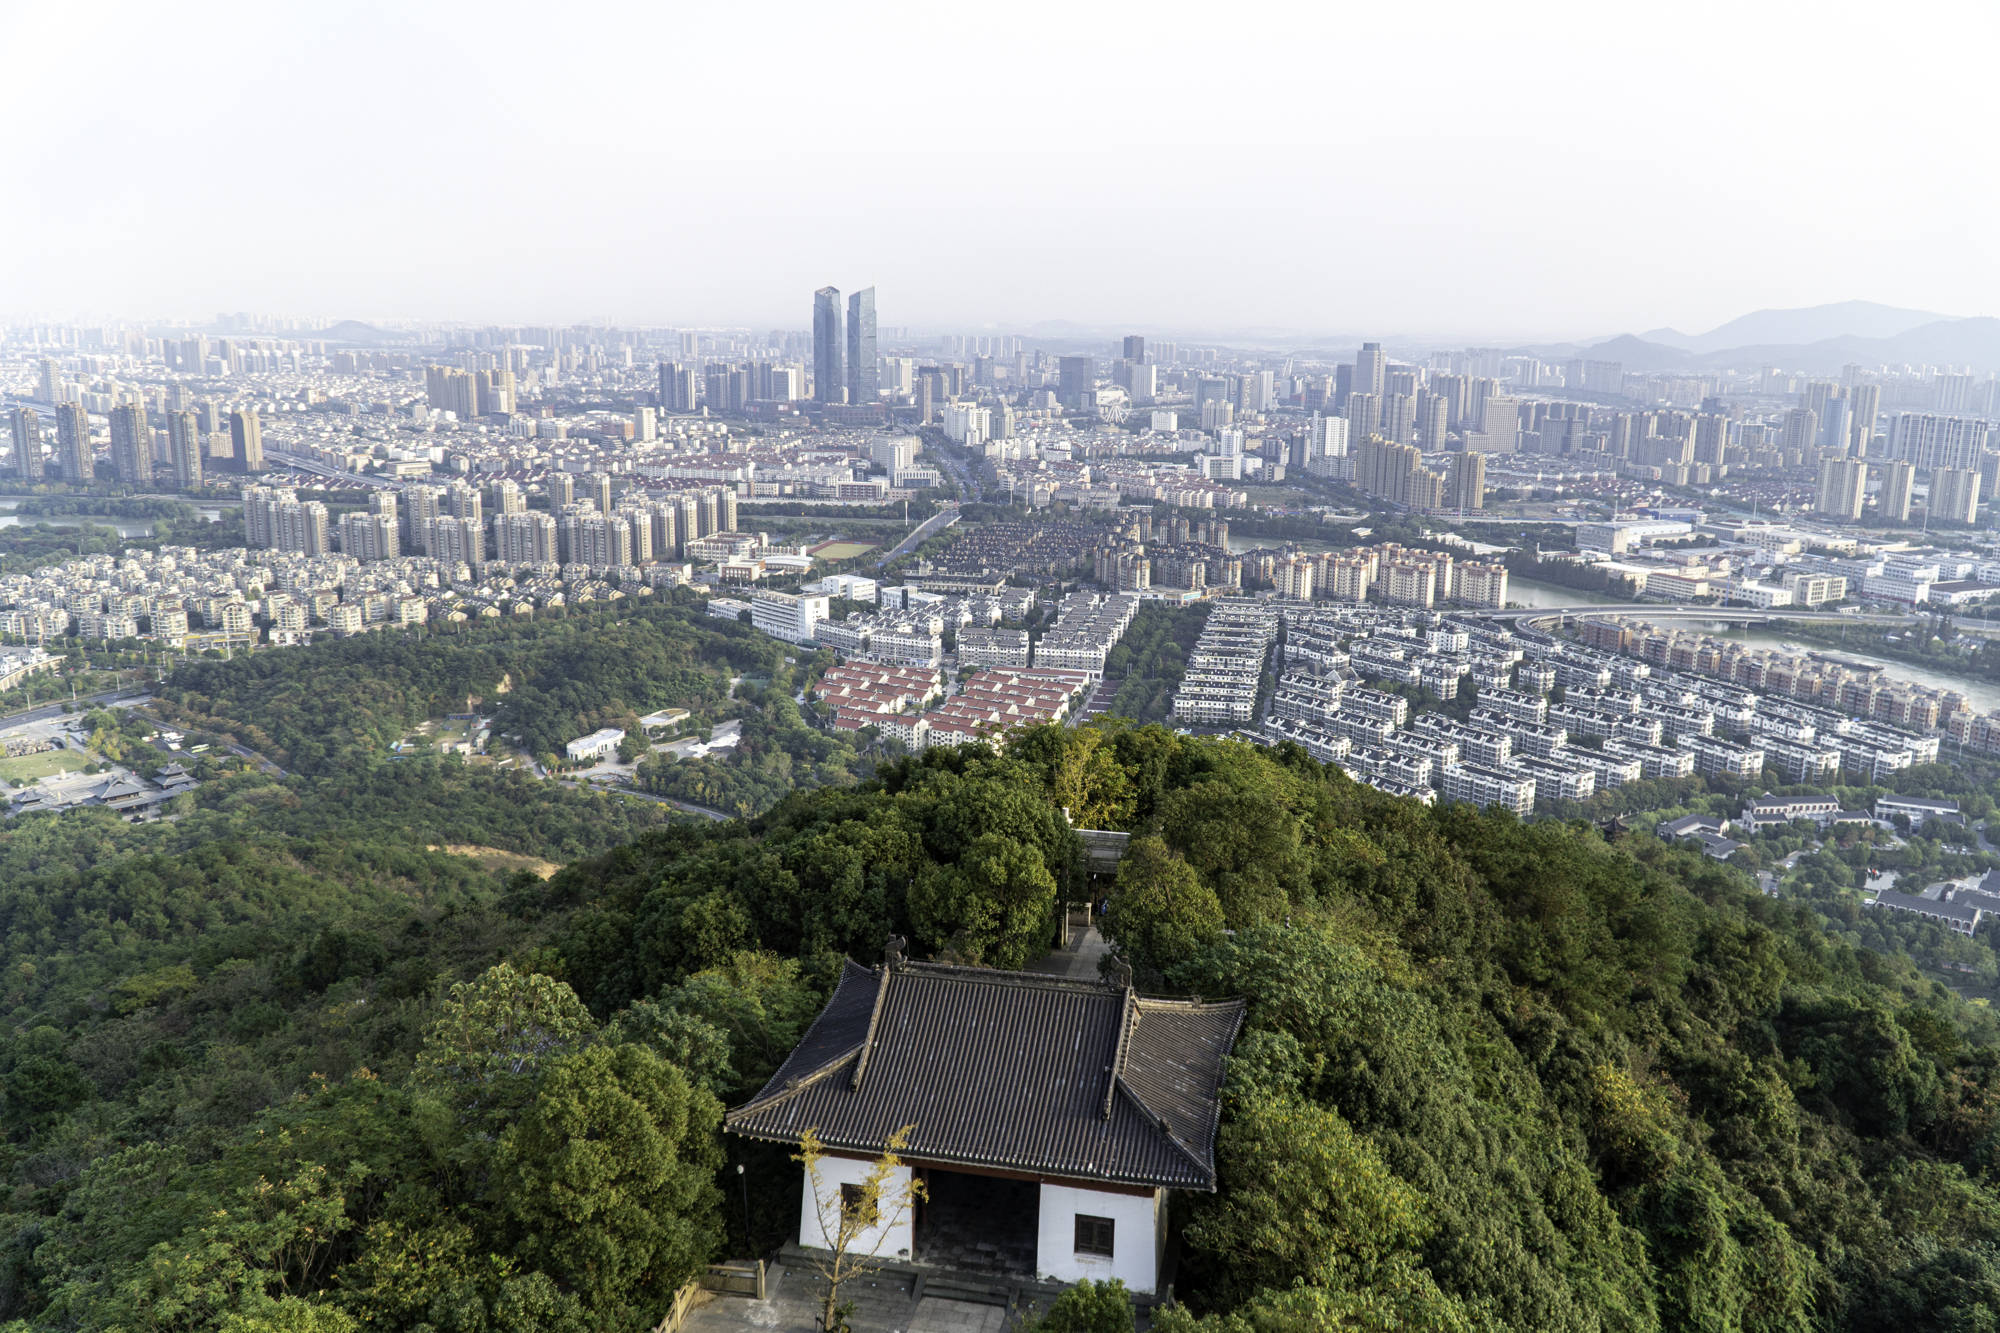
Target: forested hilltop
284,1066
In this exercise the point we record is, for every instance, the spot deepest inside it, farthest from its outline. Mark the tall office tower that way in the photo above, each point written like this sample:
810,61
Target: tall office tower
1399,418
246,441
184,444
1143,381
27,424
1842,482
1371,370
508,498
1135,348
829,383
864,373
1076,382
1866,400
1466,489
73,443
1364,416
526,538
1954,495
1801,431
1432,415
1836,425
1894,501
131,444
52,385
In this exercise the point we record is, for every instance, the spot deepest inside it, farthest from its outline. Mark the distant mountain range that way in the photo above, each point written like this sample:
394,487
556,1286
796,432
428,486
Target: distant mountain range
354,331
1815,339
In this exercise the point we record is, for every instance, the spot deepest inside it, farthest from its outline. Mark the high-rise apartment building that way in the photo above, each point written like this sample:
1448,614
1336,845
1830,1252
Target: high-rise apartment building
1499,426
526,538
1893,501
1866,400
1364,416
1954,495
1135,348
246,442
864,373
829,382
1399,418
370,536
508,498
1396,473
131,444
184,444
1929,441
27,426
677,387
1467,489
1842,482
73,443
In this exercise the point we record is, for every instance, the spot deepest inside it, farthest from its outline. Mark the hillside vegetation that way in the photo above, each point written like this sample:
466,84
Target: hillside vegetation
1494,1075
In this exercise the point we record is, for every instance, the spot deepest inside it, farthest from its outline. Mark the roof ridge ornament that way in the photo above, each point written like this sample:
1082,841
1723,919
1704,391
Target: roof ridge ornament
1117,972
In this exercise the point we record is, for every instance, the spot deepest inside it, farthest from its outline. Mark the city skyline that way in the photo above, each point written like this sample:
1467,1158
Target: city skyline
1533,195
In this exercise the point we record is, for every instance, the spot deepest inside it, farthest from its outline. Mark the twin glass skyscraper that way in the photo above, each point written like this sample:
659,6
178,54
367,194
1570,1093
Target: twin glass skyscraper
856,377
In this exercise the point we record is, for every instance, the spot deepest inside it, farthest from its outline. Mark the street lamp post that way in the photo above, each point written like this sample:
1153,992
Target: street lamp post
744,1181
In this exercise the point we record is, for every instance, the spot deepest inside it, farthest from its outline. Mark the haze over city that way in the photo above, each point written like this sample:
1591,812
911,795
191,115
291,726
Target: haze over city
1478,172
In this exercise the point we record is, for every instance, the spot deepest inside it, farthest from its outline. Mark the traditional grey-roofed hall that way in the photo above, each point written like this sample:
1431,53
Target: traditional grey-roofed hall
1050,1115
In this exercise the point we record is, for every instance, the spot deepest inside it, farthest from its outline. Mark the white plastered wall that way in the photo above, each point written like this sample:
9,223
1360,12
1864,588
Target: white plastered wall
893,1239
1139,1234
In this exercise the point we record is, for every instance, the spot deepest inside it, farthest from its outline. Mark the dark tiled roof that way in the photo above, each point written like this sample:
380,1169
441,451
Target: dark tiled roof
1007,1070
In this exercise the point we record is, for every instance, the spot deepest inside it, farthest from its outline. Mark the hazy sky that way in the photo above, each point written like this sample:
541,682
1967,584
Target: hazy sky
1558,169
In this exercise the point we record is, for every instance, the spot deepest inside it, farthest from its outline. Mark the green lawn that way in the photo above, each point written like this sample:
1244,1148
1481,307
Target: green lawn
31,766
841,550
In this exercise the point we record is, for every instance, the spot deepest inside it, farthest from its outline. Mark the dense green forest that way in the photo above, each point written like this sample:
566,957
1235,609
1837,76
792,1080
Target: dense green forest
550,678
281,1066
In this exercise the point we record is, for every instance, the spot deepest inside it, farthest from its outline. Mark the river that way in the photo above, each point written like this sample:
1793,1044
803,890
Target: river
1984,695
127,527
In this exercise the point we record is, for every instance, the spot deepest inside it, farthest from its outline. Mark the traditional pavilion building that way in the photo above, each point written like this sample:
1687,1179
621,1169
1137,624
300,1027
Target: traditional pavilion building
1050,1116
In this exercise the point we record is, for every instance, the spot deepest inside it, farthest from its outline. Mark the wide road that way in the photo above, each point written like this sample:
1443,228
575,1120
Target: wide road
931,526
688,806
41,711
1673,611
